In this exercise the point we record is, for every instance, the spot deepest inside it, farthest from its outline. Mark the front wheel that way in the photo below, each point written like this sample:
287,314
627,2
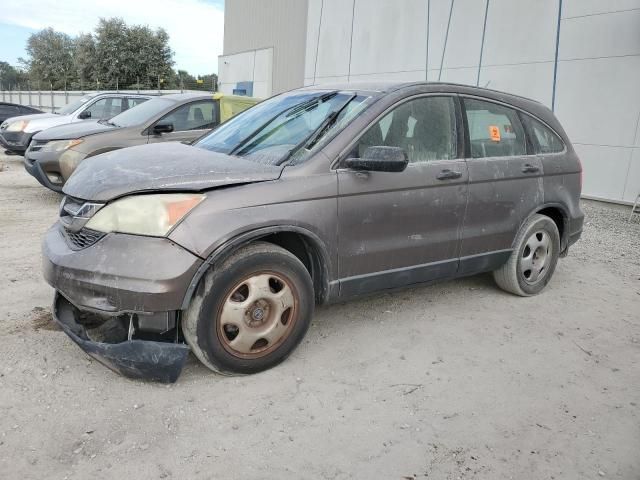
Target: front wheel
533,260
251,312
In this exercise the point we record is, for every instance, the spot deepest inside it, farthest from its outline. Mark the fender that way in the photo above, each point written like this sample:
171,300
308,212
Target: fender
230,246
564,238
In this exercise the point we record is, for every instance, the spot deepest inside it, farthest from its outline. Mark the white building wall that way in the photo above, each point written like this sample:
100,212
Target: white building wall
507,45
253,66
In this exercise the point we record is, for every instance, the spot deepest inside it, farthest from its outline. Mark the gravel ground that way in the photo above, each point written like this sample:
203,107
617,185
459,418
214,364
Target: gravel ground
453,381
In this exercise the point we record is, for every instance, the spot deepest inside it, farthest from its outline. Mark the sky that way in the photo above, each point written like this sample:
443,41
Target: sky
195,27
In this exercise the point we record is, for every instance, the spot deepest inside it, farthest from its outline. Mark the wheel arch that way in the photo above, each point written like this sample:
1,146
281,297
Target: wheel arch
302,243
560,216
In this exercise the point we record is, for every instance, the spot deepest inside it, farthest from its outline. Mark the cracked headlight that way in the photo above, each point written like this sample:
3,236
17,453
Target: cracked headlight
60,145
153,215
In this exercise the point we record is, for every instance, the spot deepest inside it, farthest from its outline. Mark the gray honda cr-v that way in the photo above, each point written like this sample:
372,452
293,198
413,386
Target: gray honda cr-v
316,195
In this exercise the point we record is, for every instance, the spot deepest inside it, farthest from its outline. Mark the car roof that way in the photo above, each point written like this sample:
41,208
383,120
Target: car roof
180,97
388,87
378,89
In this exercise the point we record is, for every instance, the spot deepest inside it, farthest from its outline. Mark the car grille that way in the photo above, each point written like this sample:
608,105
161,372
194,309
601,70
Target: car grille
83,238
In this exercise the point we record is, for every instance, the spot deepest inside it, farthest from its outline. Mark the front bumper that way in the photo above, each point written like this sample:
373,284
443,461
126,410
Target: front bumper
120,273
137,359
16,141
34,169
121,279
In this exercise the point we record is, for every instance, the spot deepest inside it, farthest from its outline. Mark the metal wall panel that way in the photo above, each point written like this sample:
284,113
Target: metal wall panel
592,85
279,24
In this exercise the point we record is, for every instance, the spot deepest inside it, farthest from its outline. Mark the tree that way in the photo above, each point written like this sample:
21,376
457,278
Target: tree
10,77
115,55
128,54
51,57
84,59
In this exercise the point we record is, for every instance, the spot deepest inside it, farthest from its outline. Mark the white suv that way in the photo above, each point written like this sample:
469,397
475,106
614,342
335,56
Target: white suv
16,132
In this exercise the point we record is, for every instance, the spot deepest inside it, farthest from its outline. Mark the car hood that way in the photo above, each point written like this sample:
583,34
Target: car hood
162,167
40,121
73,130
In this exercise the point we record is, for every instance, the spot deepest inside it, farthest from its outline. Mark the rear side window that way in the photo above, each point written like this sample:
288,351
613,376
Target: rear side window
494,130
543,139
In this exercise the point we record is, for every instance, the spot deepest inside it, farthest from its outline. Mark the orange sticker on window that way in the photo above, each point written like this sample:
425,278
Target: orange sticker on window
494,133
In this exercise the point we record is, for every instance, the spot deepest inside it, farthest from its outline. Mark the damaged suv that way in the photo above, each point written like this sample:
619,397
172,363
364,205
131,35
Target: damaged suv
317,195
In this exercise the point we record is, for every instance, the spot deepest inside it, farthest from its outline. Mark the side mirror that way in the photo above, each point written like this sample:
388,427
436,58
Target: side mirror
380,159
162,127
84,114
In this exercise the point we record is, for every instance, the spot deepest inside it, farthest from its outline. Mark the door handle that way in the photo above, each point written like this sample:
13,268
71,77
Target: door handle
528,168
447,174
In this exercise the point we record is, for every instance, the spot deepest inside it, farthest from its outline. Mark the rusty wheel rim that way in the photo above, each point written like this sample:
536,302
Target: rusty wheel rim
258,314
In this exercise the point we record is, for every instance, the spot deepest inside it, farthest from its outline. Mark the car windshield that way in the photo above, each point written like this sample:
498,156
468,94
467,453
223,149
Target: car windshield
285,127
69,108
140,113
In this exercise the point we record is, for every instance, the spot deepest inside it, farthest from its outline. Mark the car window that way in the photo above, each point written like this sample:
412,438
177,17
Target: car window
286,127
114,106
425,128
69,108
98,109
544,140
193,116
144,113
494,130
133,101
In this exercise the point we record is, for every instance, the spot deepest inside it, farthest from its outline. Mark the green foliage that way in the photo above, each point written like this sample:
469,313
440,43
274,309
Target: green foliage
51,57
11,76
115,55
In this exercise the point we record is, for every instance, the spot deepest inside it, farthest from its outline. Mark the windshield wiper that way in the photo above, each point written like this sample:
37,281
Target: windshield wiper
107,122
310,140
292,110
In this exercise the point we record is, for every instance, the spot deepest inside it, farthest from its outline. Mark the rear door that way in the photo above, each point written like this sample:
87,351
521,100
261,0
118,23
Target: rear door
505,183
396,229
189,121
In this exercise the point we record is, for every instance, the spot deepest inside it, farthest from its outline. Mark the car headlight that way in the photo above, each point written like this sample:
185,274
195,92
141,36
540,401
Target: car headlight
153,215
60,145
18,126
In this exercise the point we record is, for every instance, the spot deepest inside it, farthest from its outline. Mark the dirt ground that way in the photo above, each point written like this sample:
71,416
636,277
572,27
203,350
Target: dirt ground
453,381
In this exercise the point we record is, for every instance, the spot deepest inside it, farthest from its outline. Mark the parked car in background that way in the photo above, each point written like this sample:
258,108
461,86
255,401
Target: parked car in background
8,110
55,153
17,132
313,196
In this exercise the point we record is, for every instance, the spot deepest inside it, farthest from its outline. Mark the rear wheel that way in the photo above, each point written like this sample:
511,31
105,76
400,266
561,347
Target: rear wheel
533,260
250,313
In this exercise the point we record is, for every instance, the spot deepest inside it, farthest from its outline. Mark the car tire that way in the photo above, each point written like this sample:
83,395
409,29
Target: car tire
533,260
251,312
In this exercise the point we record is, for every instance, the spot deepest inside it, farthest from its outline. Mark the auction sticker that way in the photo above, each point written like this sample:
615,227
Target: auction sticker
494,133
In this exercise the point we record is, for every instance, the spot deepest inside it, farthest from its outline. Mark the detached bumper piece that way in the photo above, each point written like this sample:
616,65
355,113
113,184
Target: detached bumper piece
132,358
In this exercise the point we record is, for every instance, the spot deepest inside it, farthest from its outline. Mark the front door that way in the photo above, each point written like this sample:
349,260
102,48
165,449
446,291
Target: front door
505,184
396,229
189,121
